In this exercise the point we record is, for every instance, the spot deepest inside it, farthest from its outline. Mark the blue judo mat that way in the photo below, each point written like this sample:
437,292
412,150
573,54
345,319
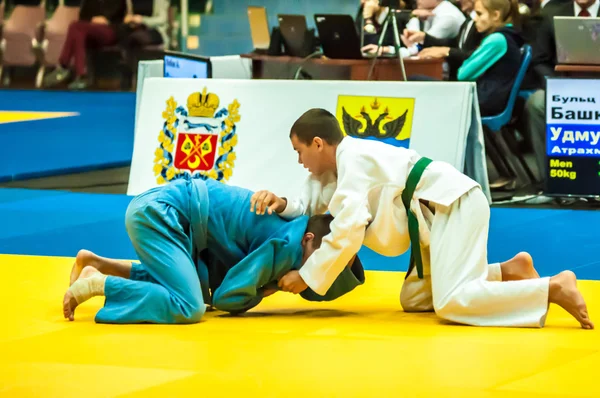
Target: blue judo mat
100,135
55,223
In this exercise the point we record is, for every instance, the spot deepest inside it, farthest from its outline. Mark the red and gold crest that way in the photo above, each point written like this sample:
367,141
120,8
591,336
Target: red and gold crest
198,141
196,151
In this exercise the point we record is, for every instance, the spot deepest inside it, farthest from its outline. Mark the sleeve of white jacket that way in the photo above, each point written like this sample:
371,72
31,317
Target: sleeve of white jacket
309,202
294,208
413,24
346,236
444,27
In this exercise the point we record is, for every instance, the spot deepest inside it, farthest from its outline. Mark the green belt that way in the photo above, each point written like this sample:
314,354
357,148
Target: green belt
413,224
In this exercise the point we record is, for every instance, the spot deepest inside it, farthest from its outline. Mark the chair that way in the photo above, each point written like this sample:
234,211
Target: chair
501,123
19,33
56,28
107,58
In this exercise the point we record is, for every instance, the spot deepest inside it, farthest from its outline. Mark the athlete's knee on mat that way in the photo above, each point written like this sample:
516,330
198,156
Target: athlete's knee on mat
416,305
450,306
191,311
196,313
414,297
444,311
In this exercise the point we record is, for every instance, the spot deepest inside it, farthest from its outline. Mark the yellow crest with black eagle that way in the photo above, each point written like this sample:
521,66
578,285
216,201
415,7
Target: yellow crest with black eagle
383,118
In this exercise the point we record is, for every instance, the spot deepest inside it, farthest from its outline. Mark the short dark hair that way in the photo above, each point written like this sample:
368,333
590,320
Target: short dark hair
319,226
317,122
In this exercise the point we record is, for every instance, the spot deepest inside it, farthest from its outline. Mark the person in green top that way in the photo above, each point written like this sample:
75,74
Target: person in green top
495,63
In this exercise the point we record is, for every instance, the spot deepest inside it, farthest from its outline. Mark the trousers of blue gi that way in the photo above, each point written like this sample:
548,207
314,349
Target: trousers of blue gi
165,287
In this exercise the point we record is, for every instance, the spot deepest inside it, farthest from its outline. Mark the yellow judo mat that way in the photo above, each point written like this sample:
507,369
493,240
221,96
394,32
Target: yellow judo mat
362,345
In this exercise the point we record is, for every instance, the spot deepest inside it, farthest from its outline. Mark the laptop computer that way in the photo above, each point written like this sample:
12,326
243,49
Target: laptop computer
338,36
294,31
577,40
259,28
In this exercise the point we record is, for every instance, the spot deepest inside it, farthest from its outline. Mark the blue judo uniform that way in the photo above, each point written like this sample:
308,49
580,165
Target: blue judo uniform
198,243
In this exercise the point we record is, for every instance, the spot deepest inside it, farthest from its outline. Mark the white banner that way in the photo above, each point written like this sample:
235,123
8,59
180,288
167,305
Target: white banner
237,131
146,69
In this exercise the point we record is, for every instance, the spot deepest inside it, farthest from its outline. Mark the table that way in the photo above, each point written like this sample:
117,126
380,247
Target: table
578,70
386,69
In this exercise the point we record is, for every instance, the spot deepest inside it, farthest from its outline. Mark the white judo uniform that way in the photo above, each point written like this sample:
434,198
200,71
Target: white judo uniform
453,215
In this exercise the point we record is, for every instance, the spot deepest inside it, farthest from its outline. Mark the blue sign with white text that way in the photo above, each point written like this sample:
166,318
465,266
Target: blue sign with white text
573,140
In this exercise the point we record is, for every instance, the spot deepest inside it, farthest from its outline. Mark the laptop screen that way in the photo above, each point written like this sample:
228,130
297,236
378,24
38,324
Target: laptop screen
186,66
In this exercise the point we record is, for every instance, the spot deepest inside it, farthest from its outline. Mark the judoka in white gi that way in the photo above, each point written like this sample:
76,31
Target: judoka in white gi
390,198
199,245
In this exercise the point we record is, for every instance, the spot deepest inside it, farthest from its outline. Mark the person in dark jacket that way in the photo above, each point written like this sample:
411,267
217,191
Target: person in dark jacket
544,54
496,62
145,26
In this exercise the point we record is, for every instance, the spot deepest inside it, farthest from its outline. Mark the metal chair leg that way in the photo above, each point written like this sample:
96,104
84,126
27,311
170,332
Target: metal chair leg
513,146
497,156
39,50
39,77
6,76
2,47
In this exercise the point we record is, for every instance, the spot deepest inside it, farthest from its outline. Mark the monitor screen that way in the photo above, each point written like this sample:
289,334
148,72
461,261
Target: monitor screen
186,66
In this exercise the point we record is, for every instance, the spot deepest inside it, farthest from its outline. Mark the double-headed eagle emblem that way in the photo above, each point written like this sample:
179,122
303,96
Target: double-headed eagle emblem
383,127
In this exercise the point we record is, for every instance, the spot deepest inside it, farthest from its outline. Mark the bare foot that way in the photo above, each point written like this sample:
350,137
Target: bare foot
69,301
84,258
564,292
518,268
69,305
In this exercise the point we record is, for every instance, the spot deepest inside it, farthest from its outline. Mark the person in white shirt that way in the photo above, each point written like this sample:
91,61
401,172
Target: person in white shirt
390,198
438,18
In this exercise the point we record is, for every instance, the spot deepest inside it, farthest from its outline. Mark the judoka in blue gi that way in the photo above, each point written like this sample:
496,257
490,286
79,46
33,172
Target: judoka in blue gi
199,245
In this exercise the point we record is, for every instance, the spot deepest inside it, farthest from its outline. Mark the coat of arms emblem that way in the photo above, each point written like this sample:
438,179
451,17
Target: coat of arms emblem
384,119
197,142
